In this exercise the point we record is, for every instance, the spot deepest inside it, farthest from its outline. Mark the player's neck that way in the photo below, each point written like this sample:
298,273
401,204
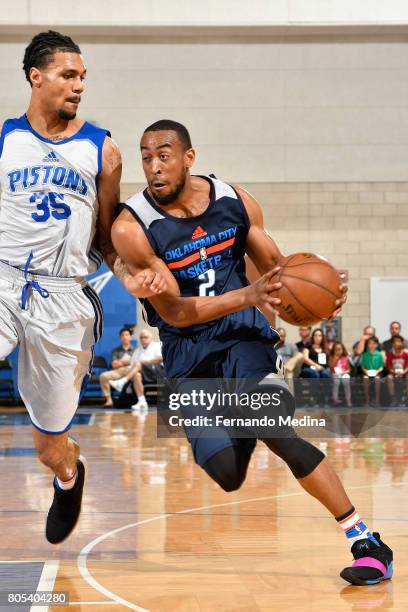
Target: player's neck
51,125
185,198
192,201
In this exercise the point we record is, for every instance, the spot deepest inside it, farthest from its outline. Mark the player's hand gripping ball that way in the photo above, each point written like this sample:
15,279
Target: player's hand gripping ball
311,289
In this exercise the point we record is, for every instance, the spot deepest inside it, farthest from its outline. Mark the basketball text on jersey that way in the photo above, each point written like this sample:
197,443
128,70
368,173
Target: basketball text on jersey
60,176
203,249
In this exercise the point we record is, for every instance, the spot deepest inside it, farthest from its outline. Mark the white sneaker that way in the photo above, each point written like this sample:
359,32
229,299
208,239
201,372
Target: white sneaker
140,406
118,384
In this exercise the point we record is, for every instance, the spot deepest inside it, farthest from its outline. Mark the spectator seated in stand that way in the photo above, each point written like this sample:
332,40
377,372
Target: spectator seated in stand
397,366
340,371
293,366
120,364
145,366
315,357
368,332
286,350
355,361
316,365
395,330
372,364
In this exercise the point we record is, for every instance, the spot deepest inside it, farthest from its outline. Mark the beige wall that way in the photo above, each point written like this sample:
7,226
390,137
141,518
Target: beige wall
292,110
228,12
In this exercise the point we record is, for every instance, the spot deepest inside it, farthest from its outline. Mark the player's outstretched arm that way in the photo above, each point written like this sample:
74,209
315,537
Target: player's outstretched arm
109,197
262,249
135,251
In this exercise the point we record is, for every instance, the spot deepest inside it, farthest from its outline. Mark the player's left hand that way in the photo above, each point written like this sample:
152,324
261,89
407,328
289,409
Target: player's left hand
146,283
339,303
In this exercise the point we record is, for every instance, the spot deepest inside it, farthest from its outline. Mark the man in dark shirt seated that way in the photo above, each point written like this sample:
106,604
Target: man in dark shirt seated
305,334
395,330
294,365
120,364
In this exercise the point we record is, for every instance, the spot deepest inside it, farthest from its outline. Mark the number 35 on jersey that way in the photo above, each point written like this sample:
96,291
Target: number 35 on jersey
48,205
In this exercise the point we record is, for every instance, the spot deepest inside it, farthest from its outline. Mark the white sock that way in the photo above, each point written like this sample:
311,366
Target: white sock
65,485
354,528
141,399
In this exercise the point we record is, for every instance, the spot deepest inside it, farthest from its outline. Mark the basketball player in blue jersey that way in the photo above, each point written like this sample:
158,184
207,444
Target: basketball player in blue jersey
60,185
195,231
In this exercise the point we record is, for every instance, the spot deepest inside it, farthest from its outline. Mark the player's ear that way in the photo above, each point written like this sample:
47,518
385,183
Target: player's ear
189,157
35,77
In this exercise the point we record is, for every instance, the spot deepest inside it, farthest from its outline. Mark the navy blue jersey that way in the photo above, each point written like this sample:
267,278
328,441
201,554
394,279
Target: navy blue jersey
205,253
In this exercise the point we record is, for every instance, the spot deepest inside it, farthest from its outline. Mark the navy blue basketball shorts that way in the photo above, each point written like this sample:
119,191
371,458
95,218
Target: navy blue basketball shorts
219,360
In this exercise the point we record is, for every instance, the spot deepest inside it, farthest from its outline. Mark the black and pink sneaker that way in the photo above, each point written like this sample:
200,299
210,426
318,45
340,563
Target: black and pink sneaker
373,563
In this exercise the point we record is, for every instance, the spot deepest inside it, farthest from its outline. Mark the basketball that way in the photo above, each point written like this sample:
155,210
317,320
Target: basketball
310,287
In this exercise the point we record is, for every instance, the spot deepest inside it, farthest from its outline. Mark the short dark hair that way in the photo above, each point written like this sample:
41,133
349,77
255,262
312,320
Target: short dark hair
125,329
372,339
174,126
41,49
397,337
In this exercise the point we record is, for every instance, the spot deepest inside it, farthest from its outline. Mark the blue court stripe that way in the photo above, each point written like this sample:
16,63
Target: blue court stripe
22,576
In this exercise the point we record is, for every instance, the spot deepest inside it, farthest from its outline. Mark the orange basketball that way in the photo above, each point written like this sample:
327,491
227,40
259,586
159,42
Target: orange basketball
310,287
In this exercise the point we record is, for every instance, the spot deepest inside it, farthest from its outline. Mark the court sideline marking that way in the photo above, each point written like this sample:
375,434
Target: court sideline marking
46,582
83,555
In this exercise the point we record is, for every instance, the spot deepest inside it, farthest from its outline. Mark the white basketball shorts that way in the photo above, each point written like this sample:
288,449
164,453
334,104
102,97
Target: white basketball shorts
56,335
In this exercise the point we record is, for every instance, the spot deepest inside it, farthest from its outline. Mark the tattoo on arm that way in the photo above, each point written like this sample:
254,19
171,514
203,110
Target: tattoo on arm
113,156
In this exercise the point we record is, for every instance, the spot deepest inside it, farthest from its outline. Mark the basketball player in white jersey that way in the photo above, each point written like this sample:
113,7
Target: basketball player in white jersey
60,185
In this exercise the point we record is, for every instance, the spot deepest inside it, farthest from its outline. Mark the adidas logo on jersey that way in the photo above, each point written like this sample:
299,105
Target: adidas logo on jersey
51,157
198,233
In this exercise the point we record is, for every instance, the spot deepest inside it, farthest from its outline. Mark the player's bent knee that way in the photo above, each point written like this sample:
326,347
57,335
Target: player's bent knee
228,468
229,481
228,478
301,457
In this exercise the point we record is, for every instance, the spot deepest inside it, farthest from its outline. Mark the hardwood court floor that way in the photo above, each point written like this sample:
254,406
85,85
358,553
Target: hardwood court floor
157,534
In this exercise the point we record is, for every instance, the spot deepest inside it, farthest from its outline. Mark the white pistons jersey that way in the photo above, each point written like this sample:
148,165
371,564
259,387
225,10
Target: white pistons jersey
49,199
